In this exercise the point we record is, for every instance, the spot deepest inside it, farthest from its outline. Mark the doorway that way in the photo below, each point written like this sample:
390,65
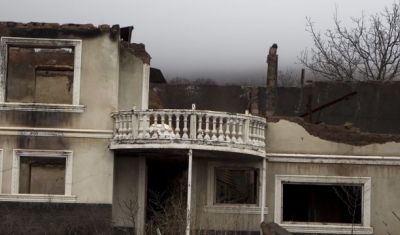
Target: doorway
166,196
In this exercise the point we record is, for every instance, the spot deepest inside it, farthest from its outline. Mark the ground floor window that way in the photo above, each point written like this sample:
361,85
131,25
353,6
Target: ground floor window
325,204
322,203
42,175
236,185
42,172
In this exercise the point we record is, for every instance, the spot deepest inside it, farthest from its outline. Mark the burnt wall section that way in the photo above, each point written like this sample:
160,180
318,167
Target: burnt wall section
55,218
55,30
373,109
235,99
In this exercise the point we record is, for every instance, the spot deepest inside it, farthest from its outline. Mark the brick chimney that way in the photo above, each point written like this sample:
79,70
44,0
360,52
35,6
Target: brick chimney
272,74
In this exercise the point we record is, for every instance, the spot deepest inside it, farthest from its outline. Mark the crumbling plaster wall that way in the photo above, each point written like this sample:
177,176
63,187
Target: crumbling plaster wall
289,137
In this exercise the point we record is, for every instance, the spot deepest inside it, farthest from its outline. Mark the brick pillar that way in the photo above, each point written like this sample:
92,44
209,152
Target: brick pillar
272,75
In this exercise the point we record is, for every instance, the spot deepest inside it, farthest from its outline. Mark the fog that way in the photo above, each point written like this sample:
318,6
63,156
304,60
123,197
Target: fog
226,40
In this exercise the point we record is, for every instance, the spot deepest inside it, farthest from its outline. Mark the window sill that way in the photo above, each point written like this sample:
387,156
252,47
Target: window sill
234,209
42,107
326,228
37,198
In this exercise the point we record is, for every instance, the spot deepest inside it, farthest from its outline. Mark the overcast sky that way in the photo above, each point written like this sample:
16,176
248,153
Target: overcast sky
221,39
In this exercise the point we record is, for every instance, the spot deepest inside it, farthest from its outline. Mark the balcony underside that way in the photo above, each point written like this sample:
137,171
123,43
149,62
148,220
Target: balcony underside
188,144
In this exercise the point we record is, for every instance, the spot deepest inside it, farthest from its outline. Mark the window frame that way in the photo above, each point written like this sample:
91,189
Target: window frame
212,207
16,164
6,42
318,227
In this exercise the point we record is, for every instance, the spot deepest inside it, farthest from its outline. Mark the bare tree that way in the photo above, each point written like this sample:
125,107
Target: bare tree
351,196
179,80
368,51
287,78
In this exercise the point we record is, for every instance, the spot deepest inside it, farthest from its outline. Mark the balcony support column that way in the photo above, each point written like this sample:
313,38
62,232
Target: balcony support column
189,192
142,189
263,188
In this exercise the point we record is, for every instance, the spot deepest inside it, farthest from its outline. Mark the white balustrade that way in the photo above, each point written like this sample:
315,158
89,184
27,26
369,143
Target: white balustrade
189,125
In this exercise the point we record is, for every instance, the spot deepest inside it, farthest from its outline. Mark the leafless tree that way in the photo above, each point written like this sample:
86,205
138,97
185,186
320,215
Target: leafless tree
351,196
287,78
369,51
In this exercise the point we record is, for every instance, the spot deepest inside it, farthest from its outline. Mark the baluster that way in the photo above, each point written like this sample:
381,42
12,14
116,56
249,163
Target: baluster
123,128
214,129
162,126
234,130
221,132
147,126
258,132
227,131
170,125
251,132
207,131
240,133
185,129
129,124
262,134
177,122
141,129
116,127
199,130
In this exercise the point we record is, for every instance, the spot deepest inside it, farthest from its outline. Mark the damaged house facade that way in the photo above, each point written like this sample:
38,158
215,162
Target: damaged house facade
76,131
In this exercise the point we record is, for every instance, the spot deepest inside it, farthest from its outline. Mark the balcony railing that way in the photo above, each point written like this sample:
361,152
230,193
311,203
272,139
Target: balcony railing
189,126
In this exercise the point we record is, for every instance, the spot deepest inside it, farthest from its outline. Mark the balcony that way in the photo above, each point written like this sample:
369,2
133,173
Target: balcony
189,129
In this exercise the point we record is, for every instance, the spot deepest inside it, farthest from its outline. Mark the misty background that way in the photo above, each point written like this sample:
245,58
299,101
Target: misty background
225,40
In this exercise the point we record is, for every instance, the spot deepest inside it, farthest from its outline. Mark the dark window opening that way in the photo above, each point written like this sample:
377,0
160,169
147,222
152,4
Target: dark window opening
40,75
236,186
42,175
322,203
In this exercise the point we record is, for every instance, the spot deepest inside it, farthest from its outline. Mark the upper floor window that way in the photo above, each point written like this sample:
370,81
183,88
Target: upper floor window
40,74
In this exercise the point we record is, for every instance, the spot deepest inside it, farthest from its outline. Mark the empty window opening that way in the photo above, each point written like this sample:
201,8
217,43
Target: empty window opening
236,186
42,175
322,203
40,75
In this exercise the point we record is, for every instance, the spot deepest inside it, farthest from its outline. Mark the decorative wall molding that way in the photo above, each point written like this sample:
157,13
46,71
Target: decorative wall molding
56,132
250,210
37,198
42,107
299,227
327,229
333,159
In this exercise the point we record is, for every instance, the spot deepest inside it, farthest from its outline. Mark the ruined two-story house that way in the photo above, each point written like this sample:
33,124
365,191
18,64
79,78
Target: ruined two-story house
77,137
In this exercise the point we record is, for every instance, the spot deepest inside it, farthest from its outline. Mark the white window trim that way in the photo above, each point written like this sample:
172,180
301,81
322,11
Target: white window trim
15,196
300,227
232,208
5,42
